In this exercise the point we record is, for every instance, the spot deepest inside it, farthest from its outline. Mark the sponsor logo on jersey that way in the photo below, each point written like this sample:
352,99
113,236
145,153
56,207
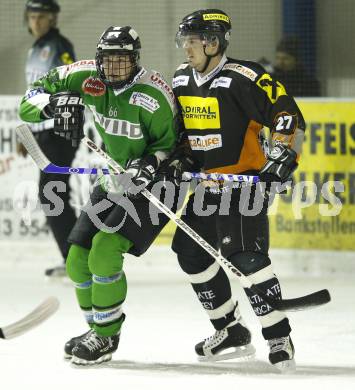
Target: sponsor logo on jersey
66,58
205,142
225,18
274,89
65,70
247,72
180,81
117,127
33,92
224,82
44,54
145,101
200,113
161,84
84,64
93,86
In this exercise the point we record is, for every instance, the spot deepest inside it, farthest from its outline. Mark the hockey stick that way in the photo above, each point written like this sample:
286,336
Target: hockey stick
314,299
46,166
33,319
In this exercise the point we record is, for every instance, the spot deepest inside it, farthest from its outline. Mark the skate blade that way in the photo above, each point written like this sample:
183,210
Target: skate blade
67,356
244,352
286,367
82,362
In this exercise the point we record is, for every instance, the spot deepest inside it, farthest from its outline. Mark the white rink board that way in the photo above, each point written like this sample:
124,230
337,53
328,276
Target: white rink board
19,178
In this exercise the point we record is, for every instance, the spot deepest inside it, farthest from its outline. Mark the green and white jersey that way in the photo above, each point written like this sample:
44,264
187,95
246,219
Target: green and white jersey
133,122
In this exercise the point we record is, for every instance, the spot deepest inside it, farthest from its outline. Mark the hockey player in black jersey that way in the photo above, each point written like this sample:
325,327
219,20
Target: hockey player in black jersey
224,104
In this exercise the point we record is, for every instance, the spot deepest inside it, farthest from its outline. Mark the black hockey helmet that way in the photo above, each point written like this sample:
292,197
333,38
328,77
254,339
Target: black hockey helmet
118,41
209,24
42,6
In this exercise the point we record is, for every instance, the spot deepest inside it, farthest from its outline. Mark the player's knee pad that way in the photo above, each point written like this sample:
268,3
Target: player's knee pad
106,254
194,265
77,264
251,262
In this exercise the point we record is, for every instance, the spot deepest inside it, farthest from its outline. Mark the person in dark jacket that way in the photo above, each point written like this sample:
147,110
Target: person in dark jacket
50,50
289,70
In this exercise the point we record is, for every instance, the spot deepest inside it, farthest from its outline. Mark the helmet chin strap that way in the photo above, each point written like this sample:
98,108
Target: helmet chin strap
208,59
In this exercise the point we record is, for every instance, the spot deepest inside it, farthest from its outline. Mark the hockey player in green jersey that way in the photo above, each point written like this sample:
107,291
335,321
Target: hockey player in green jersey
224,104
133,111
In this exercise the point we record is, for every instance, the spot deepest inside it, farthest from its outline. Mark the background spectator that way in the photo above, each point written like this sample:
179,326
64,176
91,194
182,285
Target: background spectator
289,70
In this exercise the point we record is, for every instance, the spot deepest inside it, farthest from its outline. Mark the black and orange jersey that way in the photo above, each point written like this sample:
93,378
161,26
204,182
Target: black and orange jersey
224,112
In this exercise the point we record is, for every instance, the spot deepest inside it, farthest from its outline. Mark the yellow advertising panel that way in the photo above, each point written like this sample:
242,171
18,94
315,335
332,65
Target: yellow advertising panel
317,215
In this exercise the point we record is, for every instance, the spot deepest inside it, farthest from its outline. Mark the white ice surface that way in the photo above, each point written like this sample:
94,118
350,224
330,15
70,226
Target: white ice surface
164,321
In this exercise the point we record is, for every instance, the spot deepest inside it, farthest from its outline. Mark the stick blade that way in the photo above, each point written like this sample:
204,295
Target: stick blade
41,313
315,299
26,137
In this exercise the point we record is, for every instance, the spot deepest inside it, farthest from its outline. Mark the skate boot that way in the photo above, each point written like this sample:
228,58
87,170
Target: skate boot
69,345
282,354
56,272
232,342
94,349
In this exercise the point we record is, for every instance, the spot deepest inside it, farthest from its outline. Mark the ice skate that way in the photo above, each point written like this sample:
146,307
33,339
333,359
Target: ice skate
229,343
94,349
282,354
73,342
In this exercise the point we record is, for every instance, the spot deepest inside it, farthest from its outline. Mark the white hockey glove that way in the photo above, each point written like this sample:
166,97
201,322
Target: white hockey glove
280,164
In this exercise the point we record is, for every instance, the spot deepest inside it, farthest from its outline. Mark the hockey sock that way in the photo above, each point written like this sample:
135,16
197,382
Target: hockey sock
109,287
257,267
212,288
274,323
78,271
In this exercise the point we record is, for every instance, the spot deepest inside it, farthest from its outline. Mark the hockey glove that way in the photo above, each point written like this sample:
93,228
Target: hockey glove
280,164
139,173
173,168
67,109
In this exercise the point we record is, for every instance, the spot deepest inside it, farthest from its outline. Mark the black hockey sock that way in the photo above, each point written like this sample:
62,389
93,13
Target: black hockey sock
274,323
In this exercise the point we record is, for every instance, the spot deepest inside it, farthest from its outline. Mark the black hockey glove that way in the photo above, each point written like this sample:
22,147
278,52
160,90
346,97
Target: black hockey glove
280,164
139,173
67,109
173,169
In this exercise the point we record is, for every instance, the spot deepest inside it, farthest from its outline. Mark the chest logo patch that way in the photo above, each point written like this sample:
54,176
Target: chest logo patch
94,87
44,54
224,82
145,101
200,113
205,142
180,81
